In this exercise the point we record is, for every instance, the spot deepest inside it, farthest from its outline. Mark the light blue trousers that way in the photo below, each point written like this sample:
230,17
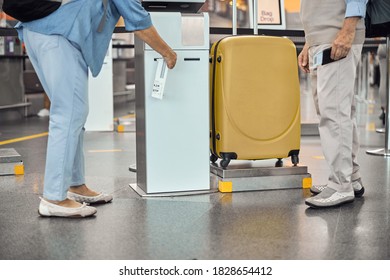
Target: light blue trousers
63,73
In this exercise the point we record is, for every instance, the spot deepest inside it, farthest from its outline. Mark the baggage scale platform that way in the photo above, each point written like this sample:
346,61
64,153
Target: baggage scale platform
258,175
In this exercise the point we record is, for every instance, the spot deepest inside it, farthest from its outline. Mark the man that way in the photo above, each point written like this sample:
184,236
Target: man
61,47
339,25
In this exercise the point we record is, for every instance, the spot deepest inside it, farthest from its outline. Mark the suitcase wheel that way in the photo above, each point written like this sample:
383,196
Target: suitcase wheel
213,158
295,160
279,163
226,157
224,163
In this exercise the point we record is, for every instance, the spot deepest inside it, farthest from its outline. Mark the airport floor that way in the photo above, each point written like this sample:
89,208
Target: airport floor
242,225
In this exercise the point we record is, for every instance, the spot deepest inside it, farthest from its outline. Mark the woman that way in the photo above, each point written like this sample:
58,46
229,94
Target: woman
61,47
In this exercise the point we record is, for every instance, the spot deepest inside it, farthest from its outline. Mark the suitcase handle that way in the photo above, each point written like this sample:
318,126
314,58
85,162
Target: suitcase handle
234,17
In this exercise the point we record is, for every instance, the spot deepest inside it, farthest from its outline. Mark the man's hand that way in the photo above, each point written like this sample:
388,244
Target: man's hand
303,59
343,42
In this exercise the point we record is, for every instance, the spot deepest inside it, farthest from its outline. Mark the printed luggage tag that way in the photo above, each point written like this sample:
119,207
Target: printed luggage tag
317,60
160,79
323,58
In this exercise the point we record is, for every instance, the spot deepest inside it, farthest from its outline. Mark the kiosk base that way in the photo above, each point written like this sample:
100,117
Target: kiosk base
141,192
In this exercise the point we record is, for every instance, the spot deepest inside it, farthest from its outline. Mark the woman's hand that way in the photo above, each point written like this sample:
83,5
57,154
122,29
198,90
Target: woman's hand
153,39
170,59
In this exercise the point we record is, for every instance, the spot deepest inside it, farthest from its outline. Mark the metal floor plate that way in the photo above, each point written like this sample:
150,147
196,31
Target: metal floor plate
9,155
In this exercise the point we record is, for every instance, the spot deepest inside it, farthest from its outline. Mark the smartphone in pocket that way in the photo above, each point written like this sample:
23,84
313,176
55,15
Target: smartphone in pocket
323,58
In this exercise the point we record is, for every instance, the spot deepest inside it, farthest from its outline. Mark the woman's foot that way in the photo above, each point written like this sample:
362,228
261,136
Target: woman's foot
83,190
66,208
84,194
65,203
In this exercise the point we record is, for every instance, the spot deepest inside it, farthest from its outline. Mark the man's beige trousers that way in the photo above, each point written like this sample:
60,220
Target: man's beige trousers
333,87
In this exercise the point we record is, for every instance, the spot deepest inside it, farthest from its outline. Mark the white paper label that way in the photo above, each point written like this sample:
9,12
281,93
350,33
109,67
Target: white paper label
160,79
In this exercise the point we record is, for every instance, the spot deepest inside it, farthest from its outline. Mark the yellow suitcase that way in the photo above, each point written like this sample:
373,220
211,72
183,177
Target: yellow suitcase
254,99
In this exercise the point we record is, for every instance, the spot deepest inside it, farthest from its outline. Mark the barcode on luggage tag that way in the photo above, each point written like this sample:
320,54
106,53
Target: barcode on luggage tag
160,79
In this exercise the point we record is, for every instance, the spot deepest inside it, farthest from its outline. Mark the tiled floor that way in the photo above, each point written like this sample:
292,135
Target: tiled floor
248,225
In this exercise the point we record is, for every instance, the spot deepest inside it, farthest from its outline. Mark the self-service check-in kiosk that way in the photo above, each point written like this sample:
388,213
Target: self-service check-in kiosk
172,129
